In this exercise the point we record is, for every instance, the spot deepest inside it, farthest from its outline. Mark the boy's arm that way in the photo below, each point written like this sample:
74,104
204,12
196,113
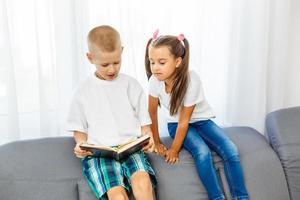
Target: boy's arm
146,130
80,138
182,128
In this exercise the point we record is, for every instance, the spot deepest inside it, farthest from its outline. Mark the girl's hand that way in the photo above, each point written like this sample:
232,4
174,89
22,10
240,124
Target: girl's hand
160,149
81,153
150,146
171,156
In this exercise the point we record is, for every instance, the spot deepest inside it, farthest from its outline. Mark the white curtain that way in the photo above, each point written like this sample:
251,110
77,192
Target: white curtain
246,53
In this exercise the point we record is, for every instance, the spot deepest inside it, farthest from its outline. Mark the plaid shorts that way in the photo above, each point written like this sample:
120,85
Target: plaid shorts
103,173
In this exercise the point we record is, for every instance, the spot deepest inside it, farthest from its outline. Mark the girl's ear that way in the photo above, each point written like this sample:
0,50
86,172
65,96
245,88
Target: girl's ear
90,57
178,62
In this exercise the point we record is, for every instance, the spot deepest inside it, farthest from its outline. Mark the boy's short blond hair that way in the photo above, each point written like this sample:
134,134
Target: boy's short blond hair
104,38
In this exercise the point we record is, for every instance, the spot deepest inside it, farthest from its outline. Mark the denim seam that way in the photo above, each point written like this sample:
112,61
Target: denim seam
219,198
243,197
231,184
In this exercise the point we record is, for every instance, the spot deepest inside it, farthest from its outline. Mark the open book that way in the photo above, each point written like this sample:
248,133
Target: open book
118,152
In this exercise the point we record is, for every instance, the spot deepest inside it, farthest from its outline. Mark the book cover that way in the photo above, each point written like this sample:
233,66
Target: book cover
119,152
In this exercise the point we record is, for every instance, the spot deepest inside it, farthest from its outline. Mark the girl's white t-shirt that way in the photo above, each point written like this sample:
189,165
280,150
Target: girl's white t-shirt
193,96
109,112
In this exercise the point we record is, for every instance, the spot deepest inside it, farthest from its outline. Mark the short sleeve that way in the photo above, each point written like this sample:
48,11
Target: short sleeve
76,119
195,93
153,87
138,101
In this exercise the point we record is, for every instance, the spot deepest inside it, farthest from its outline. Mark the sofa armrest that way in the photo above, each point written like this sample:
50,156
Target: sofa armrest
283,131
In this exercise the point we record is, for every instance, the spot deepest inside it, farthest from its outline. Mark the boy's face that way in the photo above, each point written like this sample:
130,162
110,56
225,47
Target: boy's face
107,64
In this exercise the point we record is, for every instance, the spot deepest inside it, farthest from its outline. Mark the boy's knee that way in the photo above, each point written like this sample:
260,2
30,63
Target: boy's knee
117,193
142,187
118,196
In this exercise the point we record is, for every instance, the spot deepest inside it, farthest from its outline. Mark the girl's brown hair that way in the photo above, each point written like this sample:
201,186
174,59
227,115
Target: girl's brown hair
177,49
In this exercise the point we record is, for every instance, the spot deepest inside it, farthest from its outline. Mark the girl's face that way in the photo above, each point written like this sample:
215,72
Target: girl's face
163,64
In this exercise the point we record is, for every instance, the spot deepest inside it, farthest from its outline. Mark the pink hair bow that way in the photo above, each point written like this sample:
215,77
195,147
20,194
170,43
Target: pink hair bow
155,34
180,37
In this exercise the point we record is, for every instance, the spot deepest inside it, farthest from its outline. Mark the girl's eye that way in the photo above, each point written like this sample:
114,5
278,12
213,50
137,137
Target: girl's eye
116,63
152,63
162,63
105,65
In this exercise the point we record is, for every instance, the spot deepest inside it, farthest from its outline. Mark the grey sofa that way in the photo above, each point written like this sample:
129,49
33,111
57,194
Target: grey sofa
45,169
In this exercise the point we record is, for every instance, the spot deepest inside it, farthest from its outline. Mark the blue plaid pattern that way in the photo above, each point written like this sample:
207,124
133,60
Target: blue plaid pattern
103,173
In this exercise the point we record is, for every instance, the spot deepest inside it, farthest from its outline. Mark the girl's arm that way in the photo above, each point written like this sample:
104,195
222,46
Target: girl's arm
152,108
153,105
183,125
80,138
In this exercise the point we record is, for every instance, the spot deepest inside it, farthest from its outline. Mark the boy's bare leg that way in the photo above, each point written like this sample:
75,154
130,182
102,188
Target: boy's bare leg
141,186
117,193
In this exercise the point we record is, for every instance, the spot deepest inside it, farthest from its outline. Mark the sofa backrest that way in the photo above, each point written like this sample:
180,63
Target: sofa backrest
283,130
39,169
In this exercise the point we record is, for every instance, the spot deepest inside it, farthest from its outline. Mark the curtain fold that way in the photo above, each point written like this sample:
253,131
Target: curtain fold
244,51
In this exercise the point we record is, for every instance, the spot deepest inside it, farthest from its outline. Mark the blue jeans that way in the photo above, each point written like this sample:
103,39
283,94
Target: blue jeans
201,138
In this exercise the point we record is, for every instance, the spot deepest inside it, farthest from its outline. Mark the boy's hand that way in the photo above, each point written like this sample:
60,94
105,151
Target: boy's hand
171,156
150,146
160,149
81,153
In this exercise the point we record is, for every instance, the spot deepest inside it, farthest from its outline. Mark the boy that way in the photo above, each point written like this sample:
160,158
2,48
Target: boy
107,109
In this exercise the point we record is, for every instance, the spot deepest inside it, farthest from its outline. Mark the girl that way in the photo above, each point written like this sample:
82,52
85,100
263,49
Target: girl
179,90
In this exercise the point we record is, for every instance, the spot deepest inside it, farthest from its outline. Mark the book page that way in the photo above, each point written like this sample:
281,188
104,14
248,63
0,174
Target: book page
137,142
94,146
127,142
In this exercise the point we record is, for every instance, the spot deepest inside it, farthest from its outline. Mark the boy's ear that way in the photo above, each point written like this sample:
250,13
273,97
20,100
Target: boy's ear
178,62
90,57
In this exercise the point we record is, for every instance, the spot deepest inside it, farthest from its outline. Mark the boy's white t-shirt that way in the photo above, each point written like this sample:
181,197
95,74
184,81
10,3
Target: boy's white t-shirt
109,112
193,96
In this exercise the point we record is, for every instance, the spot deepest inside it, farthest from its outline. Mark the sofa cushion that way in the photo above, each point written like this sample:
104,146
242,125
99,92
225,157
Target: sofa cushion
39,169
181,181
85,192
283,129
38,190
40,159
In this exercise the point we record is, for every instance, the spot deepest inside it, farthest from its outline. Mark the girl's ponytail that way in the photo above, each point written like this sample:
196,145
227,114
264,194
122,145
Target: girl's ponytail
147,61
181,79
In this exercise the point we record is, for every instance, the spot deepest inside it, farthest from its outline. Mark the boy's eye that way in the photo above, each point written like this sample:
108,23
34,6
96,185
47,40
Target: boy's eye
116,63
104,65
